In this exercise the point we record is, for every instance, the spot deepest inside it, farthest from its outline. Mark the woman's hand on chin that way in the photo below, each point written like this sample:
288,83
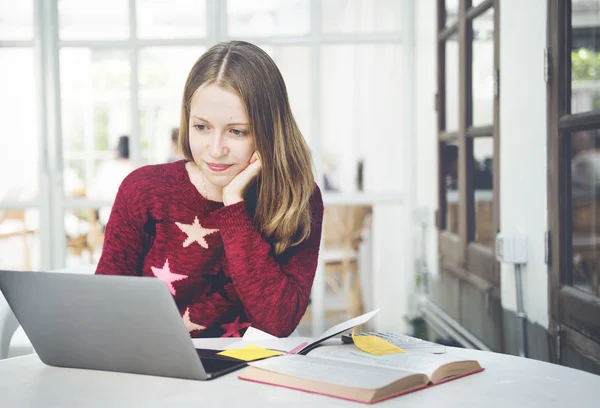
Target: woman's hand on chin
233,192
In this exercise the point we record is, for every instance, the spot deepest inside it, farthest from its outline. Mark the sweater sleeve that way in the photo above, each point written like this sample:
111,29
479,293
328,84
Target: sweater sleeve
122,250
274,291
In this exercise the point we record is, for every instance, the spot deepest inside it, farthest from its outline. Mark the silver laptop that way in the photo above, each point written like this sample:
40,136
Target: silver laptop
112,323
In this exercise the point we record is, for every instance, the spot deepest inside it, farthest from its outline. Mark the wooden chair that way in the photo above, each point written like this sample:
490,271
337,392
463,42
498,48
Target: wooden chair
343,227
13,224
89,239
97,230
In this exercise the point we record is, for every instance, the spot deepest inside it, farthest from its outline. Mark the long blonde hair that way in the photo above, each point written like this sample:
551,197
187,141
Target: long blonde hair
280,197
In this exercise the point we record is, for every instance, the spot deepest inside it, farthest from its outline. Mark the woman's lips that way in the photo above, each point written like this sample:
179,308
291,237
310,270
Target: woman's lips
218,167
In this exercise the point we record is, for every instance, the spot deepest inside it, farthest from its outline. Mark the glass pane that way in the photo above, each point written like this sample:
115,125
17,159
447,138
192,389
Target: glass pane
171,19
97,177
449,162
353,103
483,69
19,239
84,237
585,57
294,63
95,111
361,16
18,133
475,3
483,179
74,174
451,12
585,206
268,17
451,84
162,74
16,20
93,20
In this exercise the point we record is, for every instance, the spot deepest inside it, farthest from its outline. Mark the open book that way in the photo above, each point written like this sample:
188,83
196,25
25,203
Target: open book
343,371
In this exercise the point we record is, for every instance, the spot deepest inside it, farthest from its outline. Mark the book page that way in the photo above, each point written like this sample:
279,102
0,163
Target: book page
346,374
414,362
347,325
340,328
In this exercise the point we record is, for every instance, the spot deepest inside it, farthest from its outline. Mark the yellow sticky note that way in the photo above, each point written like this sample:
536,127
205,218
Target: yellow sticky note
249,353
375,345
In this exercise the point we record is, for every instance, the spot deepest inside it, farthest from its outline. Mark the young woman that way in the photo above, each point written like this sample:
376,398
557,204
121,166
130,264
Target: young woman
233,229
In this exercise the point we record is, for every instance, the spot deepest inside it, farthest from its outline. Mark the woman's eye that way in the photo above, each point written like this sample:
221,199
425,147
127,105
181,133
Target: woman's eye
200,127
238,132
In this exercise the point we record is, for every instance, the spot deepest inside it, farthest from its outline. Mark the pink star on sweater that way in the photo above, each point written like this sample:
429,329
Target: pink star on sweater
189,325
167,276
233,329
195,233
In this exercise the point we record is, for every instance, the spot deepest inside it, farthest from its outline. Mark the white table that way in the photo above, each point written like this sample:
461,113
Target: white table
507,382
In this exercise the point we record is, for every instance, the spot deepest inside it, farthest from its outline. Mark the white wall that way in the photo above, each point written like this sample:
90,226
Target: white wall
394,280
523,182
390,293
391,169
426,177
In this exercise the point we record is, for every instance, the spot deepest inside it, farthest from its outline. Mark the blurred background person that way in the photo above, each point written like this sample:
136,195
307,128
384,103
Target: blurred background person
585,160
175,153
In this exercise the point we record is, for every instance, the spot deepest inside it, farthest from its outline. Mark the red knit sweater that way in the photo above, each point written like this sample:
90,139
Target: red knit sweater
221,271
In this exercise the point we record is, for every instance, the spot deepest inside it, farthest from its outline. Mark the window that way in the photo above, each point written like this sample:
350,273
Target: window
117,68
353,108
95,96
171,19
130,79
122,70
267,18
84,20
468,136
19,138
16,20
574,189
162,72
19,124
468,131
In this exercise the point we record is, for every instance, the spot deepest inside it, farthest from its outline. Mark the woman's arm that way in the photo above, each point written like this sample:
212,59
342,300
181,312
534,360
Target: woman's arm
123,247
274,292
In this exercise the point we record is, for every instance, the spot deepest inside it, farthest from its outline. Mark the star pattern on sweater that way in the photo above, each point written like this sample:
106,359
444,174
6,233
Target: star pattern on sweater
195,233
233,329
217,283
167,276
189,325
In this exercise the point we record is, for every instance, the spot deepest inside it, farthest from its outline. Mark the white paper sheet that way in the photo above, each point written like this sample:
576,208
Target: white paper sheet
342,327
256,334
